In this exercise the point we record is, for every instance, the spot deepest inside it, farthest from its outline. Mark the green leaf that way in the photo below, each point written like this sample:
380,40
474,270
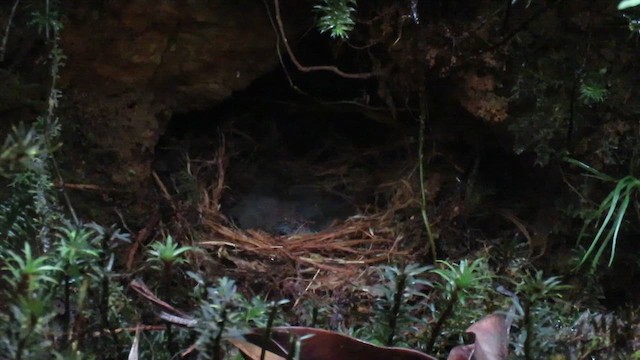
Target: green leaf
597,174
625,4
611,211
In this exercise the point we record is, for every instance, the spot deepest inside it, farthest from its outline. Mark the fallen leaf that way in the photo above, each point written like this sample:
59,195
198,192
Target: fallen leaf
317,344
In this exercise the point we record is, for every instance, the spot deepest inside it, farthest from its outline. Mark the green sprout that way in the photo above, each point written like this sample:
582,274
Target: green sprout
27,271
168,253
77,248
336,17
592,93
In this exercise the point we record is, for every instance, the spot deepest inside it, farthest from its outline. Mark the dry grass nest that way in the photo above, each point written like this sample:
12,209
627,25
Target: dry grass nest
339,254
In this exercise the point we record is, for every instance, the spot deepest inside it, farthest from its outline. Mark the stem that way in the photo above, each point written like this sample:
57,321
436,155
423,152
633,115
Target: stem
171,348
401,282
66,322
314,316
441,321
104,298
424,115
267,331
23,341
526,347
294,348
20,348
217,349
46,24
3,47
52,104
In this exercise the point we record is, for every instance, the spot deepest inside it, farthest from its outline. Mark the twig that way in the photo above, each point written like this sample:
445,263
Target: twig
85,187
3,47
303,68
295,304
424,115
129,329
220,164
163,189
284,68
142,289
140,238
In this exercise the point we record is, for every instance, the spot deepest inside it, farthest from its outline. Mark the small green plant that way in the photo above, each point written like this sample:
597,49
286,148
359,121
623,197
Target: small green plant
336,17
165,257
78,255
46,18
226,311
77,248
27,302
26,271
461,282
610,214
539,316
20,147
398,296
167,253
592,93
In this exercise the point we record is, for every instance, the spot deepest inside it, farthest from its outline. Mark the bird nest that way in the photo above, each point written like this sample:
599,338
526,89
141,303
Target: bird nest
337,254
